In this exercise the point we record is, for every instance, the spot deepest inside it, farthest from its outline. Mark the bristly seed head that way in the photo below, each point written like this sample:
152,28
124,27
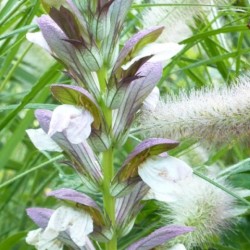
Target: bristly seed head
215,115
203,206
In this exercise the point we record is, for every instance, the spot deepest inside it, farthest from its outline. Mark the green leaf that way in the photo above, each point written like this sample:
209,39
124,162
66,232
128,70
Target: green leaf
11,241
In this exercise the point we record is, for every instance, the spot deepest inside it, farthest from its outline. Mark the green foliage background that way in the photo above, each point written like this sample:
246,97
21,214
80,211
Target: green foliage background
26,72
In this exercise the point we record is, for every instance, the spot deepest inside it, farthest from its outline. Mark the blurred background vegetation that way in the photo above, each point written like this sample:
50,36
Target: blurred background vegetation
216,52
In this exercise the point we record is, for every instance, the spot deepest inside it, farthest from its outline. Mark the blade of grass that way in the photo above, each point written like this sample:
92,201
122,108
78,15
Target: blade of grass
14,67
60,157
30,106
222,188
21,30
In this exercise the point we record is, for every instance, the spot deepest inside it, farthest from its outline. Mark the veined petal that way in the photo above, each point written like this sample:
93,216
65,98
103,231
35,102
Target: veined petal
164,175
42,141
159,237
137,92
38,39
128,206
160,52
40,215
75,122
136,42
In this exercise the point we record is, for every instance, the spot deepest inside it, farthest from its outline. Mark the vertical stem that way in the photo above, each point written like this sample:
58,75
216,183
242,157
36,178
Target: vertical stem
108,199
107,164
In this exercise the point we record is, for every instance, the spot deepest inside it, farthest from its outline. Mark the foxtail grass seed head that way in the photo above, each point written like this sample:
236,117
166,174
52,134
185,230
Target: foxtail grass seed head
203,206
213,115
177,16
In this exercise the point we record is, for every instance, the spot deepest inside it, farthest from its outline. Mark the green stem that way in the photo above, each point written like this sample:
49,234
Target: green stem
102,77
107,162
222,188
108,199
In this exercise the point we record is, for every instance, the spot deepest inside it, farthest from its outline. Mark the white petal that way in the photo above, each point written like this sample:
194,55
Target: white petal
40,240
78,223
38,39
79,128
163,51
160,52
45,244
152,100
75,122
60,220
42,141
164,176
81,227
33,236
178,247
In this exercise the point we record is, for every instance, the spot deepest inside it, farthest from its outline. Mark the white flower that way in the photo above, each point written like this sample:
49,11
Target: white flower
160,52
76,223
42,141
37,239
38,39
74,122
164,176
